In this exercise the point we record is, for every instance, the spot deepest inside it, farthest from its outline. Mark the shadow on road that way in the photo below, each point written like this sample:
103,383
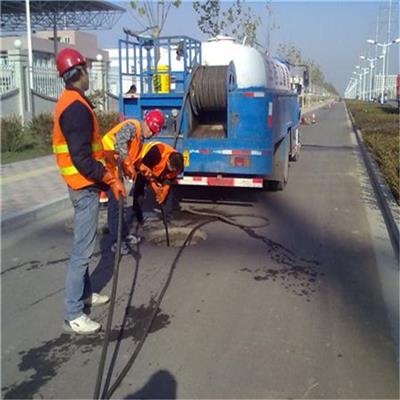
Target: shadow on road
161,385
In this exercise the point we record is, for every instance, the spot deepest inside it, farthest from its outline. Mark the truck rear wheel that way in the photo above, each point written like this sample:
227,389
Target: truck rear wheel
277,181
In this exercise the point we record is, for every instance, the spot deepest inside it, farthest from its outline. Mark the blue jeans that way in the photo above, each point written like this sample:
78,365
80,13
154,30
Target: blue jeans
112,218
77,284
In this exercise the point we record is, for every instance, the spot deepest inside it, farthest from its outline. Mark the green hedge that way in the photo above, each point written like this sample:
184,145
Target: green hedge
13,134
107,120
40,128
37,133
380,128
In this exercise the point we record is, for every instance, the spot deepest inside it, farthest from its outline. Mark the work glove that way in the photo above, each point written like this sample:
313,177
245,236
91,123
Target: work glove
115,184
155,186
128,168
145,171
160,191
110,158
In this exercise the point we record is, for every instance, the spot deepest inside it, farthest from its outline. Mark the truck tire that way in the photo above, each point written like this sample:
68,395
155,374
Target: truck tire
278,180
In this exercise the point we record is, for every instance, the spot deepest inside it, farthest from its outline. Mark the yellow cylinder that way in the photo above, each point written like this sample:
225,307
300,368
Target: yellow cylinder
162,80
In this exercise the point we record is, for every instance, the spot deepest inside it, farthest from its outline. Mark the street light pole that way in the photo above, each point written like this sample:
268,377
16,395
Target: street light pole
384,48
362,74
359,85
351,90
383,74
365,73
371,68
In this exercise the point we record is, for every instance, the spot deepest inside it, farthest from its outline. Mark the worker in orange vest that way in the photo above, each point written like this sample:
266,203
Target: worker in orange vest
125,141
158,164
80,158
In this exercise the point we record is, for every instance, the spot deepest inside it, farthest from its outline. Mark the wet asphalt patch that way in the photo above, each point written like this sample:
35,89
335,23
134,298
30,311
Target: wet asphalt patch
295,274
45,360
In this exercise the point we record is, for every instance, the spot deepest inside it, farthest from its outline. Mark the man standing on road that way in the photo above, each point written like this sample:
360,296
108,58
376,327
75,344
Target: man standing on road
125,141
159,164
80,158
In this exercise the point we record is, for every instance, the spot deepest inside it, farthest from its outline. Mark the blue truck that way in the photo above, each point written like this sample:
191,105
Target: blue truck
229,109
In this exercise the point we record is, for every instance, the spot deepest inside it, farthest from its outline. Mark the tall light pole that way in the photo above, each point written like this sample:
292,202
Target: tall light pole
371,68
384,50
359,82
351,89
364,73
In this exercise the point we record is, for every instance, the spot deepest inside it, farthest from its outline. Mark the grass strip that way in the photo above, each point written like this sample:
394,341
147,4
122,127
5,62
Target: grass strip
379,125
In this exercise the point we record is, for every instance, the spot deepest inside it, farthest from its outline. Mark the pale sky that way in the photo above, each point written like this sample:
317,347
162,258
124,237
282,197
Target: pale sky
332,33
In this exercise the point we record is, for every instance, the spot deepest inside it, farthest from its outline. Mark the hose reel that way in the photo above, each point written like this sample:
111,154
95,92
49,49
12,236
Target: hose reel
208,89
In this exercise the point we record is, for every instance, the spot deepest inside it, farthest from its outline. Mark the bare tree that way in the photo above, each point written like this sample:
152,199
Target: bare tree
238,20
290,53
293,56
154,13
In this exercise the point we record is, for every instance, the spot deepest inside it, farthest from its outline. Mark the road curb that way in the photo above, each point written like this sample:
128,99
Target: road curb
18,220
386,201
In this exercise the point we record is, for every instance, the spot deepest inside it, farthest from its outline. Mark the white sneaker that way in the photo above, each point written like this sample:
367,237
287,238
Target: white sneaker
82,325
133,239
96,300
124,248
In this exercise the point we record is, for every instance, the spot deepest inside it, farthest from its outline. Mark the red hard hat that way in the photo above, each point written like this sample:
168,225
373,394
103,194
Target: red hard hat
67,59
154,120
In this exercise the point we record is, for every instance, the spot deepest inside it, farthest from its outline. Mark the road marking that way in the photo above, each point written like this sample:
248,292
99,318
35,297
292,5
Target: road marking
28,174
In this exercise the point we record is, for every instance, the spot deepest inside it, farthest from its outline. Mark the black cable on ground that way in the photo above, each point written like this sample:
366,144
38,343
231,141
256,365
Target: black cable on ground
120,333
117,259
212,217
164,217
130,362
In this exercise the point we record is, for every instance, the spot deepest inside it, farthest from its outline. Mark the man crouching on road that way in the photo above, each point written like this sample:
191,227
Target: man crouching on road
158,164
80,158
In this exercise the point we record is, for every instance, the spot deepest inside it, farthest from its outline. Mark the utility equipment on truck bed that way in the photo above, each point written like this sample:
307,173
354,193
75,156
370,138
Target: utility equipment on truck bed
229,109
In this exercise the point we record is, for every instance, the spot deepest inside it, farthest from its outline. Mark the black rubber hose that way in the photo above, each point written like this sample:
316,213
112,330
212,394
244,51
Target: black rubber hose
130,362
212,217
120,333
208,90
117,259
164,217
185,98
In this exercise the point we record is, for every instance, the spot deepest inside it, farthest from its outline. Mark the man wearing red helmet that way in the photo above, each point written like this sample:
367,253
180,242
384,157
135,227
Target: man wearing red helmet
125,141
80,158
158,164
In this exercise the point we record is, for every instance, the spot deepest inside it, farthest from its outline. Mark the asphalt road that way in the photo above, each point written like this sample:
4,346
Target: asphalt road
305,307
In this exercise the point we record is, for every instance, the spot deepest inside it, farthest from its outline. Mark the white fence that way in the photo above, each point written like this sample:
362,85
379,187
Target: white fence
46,81
7,77
47,86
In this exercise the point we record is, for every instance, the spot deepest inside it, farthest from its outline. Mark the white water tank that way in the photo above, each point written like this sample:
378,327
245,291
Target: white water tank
253,69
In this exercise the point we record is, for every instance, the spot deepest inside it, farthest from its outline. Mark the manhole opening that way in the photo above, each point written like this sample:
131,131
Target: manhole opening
177,237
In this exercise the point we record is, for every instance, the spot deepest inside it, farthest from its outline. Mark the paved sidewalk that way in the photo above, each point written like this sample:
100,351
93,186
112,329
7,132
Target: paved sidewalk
30,190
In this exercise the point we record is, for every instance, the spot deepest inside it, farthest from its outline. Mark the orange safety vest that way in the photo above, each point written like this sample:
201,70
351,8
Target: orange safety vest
166,150
73,178
135,144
